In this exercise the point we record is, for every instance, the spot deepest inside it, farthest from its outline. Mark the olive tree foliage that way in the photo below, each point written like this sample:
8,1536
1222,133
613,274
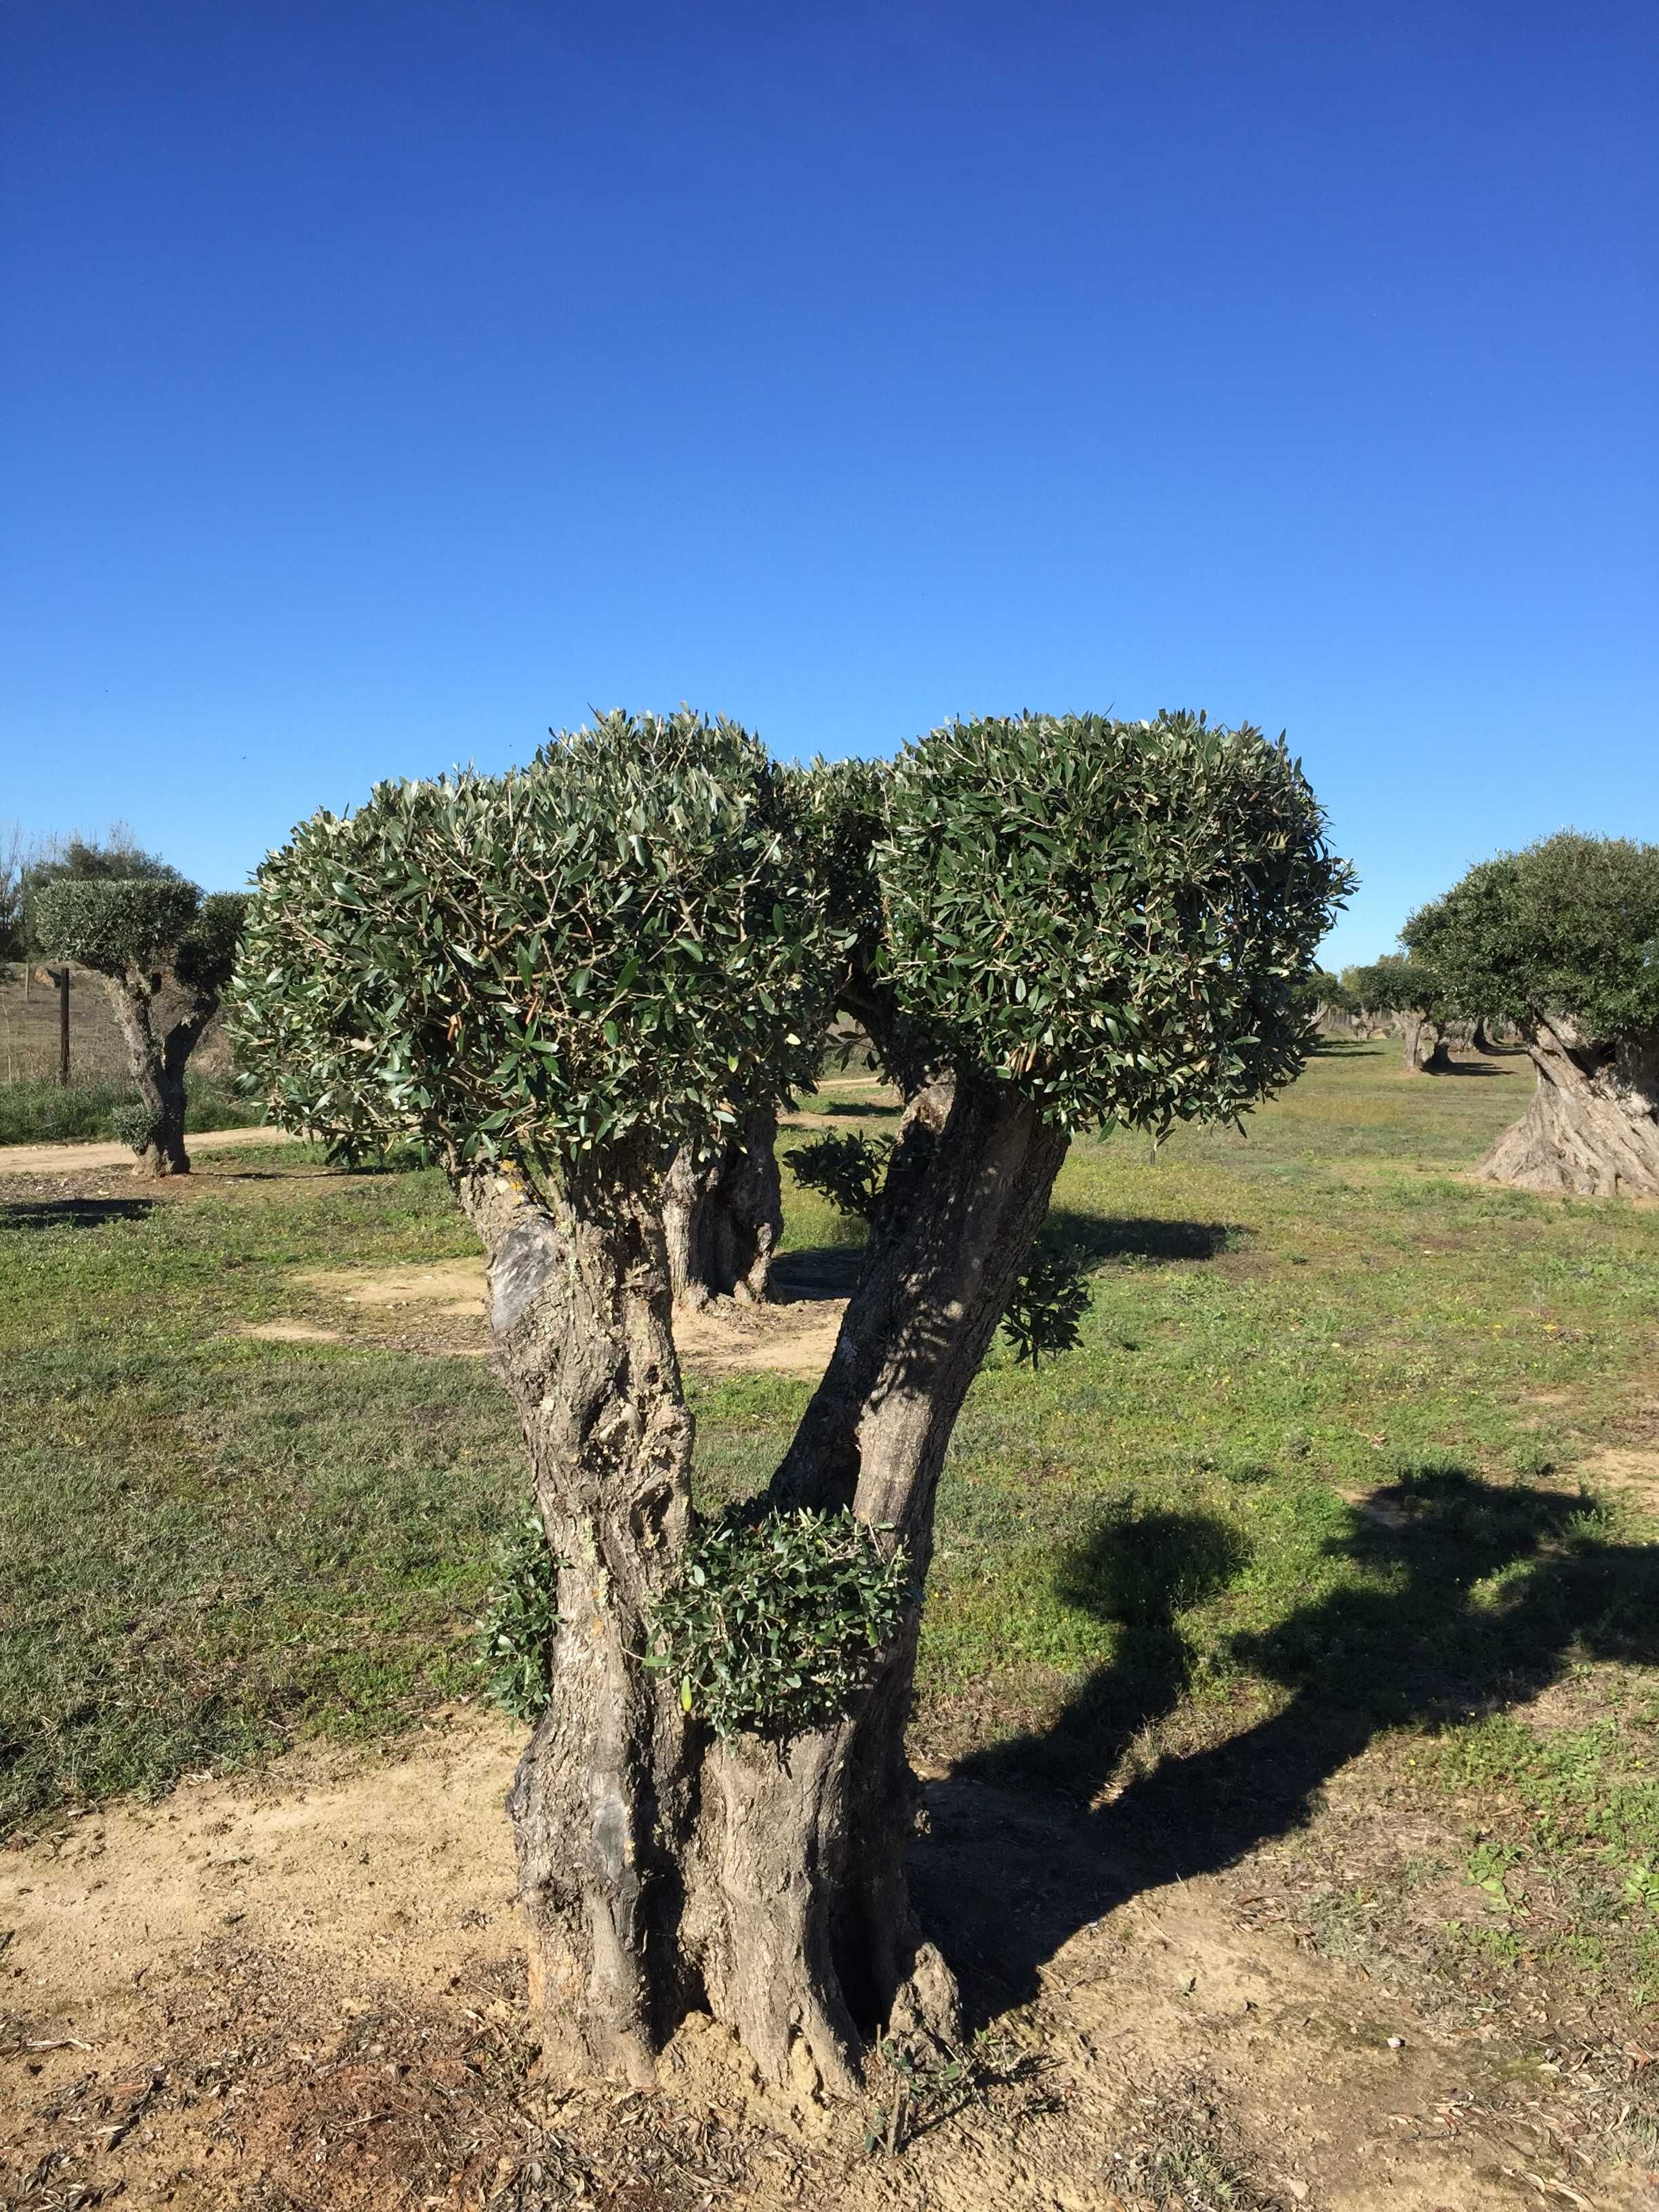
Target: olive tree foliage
557,979
1563,940
582,958
166,954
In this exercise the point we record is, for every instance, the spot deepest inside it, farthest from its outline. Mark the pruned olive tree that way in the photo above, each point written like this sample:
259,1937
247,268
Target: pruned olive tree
1563,940
1415,994
560,975
166,955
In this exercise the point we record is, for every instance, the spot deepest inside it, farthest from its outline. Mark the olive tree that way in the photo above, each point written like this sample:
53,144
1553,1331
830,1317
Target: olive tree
1563,940
166,955
559,977
1415,994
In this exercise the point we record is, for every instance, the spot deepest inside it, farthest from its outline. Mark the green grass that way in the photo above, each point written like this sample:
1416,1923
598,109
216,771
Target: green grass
53,1113
1308,1495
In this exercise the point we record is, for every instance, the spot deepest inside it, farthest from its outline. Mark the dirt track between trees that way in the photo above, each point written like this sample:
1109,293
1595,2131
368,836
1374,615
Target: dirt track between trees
70,1159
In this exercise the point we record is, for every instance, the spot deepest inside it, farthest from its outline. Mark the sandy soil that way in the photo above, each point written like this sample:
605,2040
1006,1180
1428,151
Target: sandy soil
307,1992
438,1308
70,1159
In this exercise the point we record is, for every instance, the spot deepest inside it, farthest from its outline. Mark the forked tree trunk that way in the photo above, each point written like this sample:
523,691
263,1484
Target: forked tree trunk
157,1066
1593,1124
723,1214
1425,1052
662,1868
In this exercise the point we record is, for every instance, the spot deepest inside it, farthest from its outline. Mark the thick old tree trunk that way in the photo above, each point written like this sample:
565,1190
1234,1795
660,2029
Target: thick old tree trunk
579,1309
723,1214
1592,1125
1425,1052
662,1868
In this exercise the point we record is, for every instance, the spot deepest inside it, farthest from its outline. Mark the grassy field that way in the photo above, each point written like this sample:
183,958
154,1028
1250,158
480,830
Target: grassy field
1332,1551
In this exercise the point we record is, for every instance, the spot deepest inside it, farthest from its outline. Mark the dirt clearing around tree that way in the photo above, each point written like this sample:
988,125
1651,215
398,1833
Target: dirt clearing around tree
440,1310
1301,1620
309,1993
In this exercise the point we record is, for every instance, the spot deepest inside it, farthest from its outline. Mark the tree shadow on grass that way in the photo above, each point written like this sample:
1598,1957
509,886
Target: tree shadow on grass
1092,1238
1006,1877
74,1213
854,1110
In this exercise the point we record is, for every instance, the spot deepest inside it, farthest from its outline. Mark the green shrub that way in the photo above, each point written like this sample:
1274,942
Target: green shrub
774,1623
520,1616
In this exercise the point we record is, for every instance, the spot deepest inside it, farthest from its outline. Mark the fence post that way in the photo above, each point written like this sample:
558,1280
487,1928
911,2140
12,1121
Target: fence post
62,980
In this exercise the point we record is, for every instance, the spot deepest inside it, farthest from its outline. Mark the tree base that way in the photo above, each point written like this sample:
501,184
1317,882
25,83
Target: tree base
1592,1128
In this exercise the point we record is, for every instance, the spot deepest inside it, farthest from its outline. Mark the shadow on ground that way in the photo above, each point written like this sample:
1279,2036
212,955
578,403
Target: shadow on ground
74,1213
1002,1882
1091,1240
818,1271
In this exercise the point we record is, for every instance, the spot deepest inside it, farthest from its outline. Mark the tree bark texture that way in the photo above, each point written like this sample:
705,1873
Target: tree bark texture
723,1214
1425,1052
157,1065
1593,1124
665,1869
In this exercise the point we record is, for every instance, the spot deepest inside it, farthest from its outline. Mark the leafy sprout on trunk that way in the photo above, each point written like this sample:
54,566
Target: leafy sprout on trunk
520,1616
773,1622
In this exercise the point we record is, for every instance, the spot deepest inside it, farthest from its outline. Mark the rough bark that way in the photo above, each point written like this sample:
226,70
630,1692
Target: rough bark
723,1214
157,1066
662,1868
1593,1124
579,1309
1425,1052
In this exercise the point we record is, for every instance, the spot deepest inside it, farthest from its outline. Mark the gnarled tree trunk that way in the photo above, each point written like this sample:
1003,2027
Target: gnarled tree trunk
1425,1052
157,1066
723,1214
1593,1124
664,1869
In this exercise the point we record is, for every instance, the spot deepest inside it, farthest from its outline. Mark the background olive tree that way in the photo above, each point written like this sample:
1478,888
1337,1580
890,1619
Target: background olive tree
166,955
1563,940
559,977
1415,994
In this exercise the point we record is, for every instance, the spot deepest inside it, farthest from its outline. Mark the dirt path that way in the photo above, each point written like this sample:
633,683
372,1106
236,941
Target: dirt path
306,1993
67,1160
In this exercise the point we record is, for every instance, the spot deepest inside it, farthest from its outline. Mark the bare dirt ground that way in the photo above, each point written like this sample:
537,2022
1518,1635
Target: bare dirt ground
307,1992
439,1307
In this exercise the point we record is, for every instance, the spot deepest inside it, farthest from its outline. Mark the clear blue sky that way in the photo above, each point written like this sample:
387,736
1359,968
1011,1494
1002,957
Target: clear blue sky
383,383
